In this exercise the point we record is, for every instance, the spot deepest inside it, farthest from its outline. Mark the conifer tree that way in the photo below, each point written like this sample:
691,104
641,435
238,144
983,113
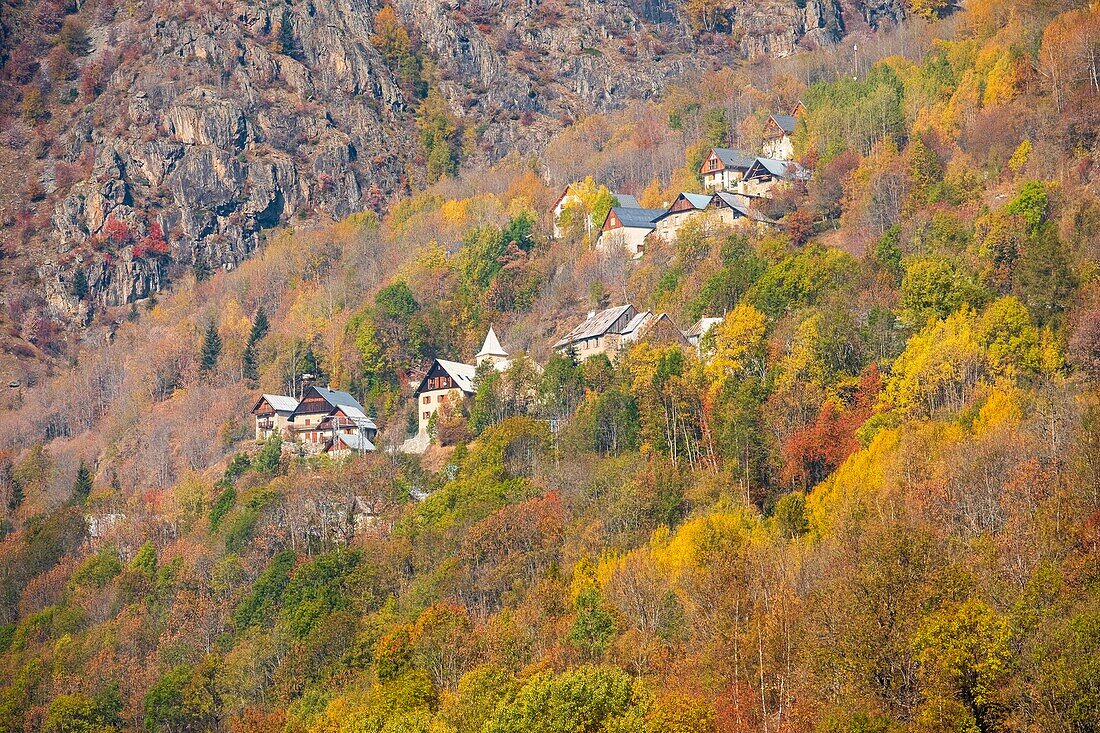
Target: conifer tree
15,494
288,44
201,267
211,349
82,486
260,327
249,369
80,283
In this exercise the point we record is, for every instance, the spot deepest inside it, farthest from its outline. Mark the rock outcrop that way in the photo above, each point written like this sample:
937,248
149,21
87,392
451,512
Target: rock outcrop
214,125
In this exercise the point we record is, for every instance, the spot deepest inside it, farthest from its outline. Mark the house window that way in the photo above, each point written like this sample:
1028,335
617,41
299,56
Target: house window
307,421
427,415
427,399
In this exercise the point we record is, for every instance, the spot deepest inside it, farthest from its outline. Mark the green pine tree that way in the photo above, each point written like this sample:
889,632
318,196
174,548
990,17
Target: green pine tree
132,315
260,327
288,44
15,499
308,364
82,486
211,349
249,368
80,283
201,267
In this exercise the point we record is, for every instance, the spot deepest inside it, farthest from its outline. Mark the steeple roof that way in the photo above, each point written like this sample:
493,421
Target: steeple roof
492,346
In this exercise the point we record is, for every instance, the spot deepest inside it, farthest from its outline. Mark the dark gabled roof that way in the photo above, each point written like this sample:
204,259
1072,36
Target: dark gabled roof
336,400
698,201
735,159
462,374
596,325
634,217
786,123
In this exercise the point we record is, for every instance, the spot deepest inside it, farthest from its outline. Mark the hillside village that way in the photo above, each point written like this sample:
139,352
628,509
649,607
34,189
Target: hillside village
711,412
331,422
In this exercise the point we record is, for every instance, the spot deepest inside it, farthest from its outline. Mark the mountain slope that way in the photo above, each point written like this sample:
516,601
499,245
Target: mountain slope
147,140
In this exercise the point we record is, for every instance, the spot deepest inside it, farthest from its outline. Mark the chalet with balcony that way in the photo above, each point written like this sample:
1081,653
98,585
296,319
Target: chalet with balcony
324,414
723,168
446,383
272,413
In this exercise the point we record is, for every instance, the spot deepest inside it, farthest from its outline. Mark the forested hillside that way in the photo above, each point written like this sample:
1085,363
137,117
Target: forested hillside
144,141
869,502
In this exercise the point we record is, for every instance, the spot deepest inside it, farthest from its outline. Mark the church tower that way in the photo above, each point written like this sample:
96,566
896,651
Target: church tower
493,352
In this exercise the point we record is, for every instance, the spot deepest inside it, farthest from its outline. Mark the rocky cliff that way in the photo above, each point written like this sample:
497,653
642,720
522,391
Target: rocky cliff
154,137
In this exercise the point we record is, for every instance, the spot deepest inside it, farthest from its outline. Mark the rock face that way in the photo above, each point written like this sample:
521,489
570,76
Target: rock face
214,125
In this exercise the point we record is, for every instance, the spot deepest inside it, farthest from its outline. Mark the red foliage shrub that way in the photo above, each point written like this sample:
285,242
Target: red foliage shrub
117,232
91,81
152,244
813,453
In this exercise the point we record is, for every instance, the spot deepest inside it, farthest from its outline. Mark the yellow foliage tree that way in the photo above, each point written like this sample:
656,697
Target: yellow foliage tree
939,367
735,345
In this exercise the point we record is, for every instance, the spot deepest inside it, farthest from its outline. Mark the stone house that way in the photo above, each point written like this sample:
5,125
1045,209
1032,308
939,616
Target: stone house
778,137
686,206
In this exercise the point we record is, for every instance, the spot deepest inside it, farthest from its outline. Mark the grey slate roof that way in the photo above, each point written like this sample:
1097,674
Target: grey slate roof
698,200
785,122
740,204
281,402
788,170
634,217
735,159
336,398
355,442
597,325
627,201
348,404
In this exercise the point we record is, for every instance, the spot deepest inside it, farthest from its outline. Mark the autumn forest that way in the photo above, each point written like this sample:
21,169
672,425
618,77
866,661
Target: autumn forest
868,502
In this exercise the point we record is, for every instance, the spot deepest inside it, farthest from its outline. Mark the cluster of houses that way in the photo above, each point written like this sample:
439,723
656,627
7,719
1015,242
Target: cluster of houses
732,180
331,422
324,420
327,421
